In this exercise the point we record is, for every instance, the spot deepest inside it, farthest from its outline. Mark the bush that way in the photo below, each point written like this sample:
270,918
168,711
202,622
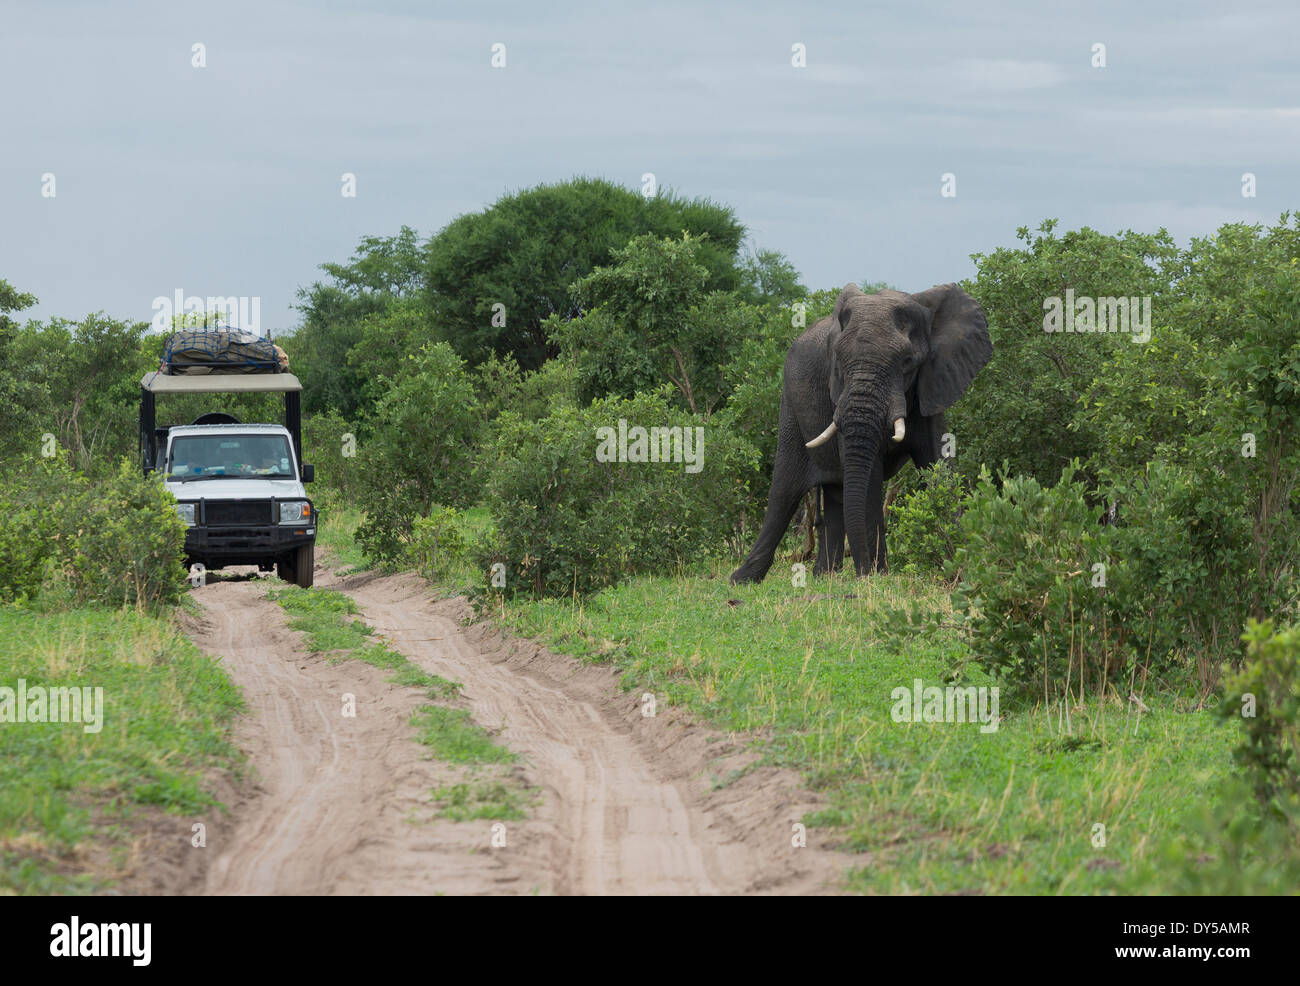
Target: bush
419,453
1246,839
567,522
1265,694
117,542
329,443
437,543
130,543
1030,595
925,522
1050,594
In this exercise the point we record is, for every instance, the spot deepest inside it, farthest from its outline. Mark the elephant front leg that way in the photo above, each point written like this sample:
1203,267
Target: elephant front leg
830,536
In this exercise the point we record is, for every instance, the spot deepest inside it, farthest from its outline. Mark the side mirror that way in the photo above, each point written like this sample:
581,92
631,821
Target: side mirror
308,472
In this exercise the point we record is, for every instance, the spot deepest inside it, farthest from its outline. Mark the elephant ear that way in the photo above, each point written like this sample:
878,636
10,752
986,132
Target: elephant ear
839,319
959,347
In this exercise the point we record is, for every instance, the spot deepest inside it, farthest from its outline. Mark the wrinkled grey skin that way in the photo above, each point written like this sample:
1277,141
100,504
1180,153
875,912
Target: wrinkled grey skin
875,359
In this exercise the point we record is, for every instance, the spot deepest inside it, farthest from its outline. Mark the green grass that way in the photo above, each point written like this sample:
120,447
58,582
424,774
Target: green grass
336,535
491,799
67,796
932,807
459,574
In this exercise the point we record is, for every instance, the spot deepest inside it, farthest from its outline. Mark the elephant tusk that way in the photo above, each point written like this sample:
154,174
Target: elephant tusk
900,429
825,436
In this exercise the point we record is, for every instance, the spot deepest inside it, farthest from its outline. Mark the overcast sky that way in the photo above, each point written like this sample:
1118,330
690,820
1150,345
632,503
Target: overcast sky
226,180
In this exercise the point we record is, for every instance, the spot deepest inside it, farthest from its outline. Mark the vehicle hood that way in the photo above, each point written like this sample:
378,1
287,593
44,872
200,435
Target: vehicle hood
243,488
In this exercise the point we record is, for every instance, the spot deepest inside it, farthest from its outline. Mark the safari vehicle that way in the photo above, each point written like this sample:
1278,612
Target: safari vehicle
239,487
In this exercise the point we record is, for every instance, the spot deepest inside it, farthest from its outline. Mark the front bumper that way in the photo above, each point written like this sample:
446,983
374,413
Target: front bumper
248,544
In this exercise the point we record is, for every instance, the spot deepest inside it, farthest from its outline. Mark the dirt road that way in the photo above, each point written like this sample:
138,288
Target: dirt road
627,804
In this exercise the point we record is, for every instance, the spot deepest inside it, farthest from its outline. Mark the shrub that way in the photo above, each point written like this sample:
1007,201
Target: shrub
1029,594
118,541
420,451
1265,694
437,543
925,521
1246,839
330,442
130,543
567,522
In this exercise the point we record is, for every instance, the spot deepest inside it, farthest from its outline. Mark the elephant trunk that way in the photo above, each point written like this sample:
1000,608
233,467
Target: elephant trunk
862,434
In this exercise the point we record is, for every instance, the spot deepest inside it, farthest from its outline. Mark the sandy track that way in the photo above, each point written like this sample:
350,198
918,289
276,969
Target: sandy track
627,804
340,805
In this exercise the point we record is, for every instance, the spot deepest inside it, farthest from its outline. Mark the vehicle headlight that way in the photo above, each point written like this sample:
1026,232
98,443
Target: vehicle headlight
186,510
294,511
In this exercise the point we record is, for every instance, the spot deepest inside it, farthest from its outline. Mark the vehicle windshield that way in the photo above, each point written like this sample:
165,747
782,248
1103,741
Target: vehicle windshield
196,457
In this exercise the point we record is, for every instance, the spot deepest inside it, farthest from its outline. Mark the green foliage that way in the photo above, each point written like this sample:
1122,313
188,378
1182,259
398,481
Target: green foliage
329,443
528,249
420,450
437,543
1246,839
647,322
1265,695
769,279
925,521
20,391
118,541
84,387
1021,407
567,522
130,542
753,376
1029,594
383,272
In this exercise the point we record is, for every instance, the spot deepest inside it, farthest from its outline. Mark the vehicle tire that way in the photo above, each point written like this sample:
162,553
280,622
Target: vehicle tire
304,566
285,570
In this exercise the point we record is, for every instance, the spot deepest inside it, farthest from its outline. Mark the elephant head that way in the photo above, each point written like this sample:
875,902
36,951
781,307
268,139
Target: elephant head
890,357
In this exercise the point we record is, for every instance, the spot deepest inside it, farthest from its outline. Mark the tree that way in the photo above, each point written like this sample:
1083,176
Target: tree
1021,408
20,391
89,374
768,278
384,271
648,321
494,277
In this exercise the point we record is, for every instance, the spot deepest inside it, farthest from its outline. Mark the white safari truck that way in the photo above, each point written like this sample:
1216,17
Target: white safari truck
238,486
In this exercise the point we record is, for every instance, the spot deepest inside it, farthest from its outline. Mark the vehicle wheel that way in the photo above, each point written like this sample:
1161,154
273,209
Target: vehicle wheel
285,571
304,564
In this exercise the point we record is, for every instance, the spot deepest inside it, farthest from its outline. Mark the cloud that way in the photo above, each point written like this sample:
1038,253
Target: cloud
1007,75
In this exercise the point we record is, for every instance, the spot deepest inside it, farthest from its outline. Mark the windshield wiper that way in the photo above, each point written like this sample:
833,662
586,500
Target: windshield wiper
173,478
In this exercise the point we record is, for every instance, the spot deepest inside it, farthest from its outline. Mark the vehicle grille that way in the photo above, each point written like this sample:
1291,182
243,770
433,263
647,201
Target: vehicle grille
230,513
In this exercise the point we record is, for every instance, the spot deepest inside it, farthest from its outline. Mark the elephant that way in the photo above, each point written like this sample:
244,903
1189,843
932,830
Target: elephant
865,389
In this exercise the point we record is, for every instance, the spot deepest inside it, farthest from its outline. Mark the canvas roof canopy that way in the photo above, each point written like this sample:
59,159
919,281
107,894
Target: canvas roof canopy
220,383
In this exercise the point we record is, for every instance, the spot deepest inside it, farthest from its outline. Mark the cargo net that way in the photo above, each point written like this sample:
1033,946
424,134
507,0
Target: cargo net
221,351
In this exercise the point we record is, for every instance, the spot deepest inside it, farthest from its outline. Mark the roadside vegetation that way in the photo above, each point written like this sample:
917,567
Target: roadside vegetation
74,804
